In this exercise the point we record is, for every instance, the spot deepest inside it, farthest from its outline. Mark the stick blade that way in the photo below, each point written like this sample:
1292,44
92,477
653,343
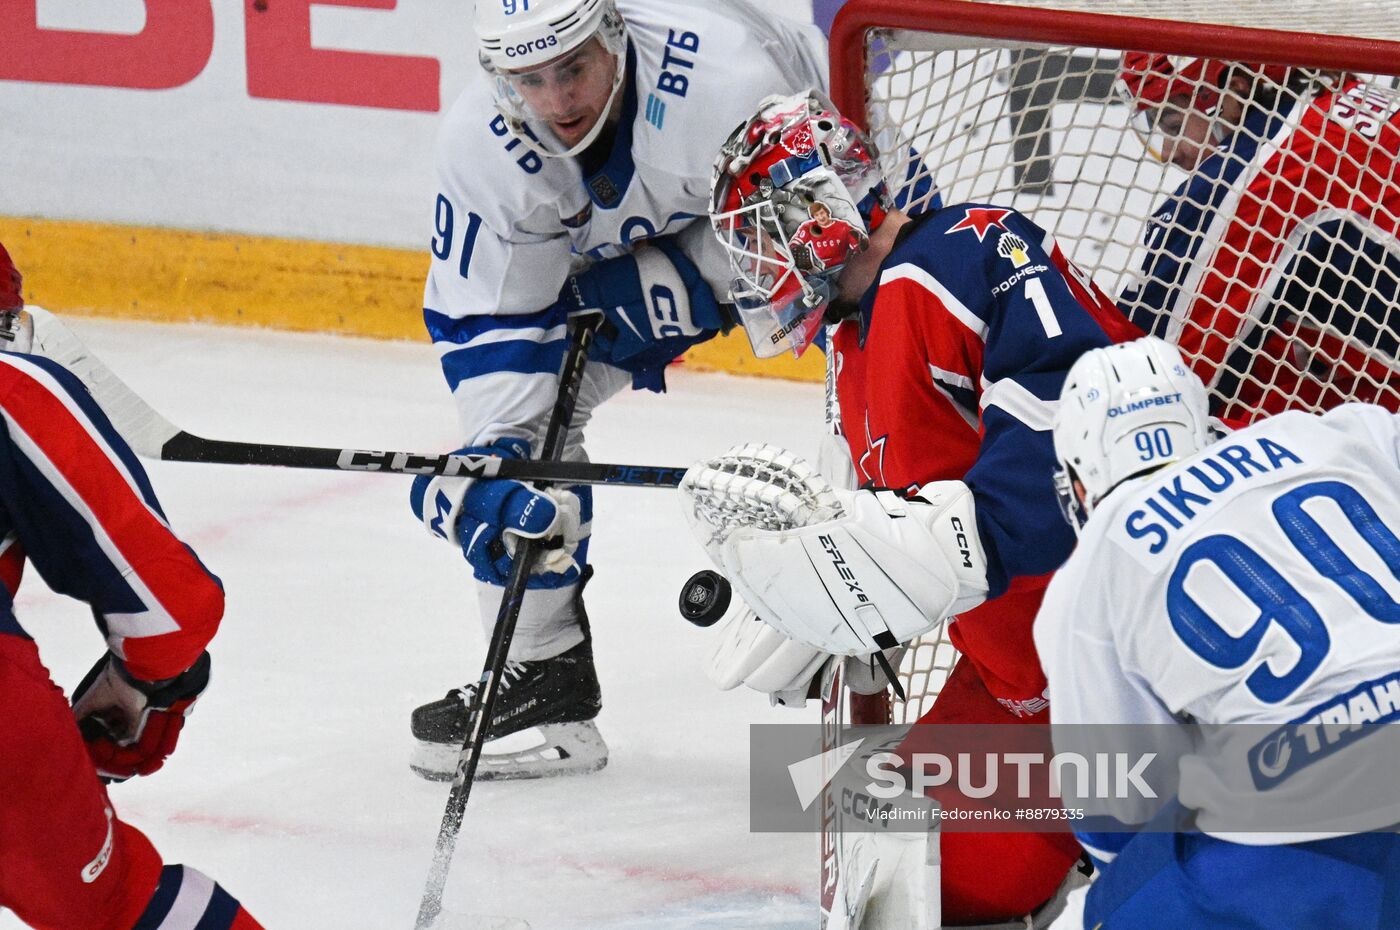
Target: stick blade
145,430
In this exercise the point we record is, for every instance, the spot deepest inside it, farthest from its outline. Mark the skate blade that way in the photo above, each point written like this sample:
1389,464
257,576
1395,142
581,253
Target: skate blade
559,749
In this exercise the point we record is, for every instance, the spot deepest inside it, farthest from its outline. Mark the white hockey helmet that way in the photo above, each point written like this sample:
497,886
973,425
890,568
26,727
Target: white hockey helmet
1125,410
523,42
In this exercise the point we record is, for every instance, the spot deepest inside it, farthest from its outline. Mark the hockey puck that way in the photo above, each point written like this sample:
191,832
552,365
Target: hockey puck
705,598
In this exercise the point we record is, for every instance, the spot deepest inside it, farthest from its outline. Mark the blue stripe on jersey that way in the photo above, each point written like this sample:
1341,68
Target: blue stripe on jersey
219,915
460,331
156,911
9,624
79,394
58,539
516,355
607,186
1018,514
916,192
1176,230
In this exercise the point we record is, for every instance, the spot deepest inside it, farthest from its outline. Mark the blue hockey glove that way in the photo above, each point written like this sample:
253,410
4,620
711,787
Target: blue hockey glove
487,517
657,306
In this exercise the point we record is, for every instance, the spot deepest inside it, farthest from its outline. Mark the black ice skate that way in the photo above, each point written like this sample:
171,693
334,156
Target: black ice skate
556,699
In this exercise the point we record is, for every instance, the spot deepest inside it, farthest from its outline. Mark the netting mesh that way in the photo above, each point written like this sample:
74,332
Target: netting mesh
1248,213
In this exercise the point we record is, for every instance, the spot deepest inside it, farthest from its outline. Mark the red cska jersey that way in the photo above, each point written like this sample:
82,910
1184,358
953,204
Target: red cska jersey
953,371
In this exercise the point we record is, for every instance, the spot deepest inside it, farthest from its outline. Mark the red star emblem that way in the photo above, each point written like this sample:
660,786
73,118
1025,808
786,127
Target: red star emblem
874,448
981,219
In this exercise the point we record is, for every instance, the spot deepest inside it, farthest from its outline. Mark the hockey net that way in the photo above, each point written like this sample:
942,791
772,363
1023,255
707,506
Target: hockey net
1278,274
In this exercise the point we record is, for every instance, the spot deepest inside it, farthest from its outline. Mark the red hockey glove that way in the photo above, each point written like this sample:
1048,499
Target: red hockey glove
130,725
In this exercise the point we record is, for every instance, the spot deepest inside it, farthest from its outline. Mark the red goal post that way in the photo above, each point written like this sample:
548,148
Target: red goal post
1282,303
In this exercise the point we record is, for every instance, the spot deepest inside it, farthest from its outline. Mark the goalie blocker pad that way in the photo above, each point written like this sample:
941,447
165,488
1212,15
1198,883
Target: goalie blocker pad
880,572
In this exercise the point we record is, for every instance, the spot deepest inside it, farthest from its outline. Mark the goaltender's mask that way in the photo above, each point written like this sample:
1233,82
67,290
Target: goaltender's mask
796,191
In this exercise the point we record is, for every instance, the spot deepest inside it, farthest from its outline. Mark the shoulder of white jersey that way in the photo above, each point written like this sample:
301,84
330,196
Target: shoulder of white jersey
481,166
725,56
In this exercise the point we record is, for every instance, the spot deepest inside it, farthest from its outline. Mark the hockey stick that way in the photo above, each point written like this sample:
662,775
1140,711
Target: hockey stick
153,436
484,697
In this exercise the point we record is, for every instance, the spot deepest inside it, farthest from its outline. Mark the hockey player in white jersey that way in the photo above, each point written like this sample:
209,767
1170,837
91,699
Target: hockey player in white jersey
571,171
1254,579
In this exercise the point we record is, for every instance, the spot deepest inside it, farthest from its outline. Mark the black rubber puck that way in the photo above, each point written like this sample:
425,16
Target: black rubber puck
705,598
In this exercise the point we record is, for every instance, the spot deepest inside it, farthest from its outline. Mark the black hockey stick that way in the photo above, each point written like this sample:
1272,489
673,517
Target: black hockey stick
153,436
484,697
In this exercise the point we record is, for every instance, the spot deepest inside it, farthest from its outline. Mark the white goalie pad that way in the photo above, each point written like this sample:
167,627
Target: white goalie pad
754,654
847,572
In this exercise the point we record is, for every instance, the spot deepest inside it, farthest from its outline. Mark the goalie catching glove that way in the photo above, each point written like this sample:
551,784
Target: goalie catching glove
131,726
487,517
847,572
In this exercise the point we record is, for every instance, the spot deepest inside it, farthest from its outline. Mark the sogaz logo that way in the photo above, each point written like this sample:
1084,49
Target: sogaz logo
534,45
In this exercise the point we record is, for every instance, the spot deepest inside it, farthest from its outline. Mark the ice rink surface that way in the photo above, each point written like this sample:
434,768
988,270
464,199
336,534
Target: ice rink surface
291,783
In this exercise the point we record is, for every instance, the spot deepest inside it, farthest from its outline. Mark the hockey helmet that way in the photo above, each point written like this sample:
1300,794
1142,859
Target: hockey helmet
796,191
11,283
1124,410
528,44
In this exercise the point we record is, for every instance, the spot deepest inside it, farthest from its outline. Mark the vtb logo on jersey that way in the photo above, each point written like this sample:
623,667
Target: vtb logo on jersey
980,220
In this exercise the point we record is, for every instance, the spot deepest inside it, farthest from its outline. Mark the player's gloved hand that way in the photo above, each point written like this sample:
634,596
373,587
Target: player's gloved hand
487,517
131,725
846,572
657,306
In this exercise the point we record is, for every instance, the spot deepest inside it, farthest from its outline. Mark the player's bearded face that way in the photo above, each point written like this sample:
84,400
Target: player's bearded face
571,93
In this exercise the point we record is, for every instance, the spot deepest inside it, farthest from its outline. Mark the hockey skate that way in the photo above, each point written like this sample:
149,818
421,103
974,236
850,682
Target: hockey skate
542,724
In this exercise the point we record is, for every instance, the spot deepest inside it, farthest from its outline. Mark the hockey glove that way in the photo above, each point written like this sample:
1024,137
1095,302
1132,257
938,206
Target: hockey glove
846,572
487,517
657,306
131,725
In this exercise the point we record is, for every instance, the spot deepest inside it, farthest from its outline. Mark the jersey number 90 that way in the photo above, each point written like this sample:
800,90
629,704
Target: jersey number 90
1280,603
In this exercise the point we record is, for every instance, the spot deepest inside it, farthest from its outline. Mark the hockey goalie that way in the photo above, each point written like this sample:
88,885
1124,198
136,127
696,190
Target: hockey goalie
954,332
1275,266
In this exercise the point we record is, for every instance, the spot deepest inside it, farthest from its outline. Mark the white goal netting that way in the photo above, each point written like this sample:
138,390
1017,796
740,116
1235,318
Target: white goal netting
1242,200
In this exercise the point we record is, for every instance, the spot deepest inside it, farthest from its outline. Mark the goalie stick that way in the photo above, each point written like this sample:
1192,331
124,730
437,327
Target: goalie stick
484,697
152,436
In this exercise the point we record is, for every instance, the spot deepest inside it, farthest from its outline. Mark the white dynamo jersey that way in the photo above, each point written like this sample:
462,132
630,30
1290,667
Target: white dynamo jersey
510,225
1256,582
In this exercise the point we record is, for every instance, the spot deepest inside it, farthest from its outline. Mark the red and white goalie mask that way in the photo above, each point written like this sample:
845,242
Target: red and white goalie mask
796,191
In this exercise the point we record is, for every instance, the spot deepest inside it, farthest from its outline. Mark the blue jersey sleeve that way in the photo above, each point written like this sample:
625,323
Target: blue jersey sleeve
1035,315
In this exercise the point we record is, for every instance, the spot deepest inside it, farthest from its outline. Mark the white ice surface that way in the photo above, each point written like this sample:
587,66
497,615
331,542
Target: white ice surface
291,783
